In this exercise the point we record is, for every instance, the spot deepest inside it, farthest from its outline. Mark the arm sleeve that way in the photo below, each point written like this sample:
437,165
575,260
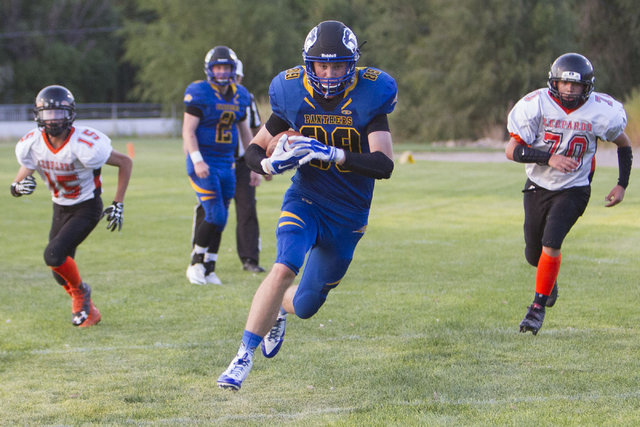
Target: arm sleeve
524,154
378,123
194,111
374,165
625,160
275,125
253,156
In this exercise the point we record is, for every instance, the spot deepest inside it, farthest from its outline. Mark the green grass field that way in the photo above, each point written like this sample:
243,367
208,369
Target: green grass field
423,330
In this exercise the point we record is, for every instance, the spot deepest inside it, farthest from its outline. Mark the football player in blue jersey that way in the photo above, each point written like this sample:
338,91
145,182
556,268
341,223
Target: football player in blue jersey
342,112
215,112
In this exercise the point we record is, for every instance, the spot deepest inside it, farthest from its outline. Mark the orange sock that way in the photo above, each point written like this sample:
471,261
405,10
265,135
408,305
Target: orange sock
67,288
69,272
547,273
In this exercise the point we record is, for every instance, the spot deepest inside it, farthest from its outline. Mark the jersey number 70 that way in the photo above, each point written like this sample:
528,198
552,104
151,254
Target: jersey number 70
576,148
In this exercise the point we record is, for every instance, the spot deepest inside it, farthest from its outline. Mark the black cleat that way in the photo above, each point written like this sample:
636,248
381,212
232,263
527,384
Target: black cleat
533,319
252,266
554,295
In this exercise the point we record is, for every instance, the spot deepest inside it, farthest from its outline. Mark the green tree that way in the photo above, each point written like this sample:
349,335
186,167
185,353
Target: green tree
609,34
168,46
168,40
60,42
460,64
473,59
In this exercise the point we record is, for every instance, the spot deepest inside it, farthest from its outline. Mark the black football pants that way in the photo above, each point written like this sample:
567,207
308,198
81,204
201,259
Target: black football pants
549,215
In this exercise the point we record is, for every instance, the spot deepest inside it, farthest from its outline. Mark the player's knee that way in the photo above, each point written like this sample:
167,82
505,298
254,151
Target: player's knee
307,304
53,256
532,255
218,219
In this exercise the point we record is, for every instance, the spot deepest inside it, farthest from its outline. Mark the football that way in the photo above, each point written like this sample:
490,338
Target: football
274,141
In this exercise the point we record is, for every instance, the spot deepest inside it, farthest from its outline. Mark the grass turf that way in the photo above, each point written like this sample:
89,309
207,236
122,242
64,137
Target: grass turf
423,330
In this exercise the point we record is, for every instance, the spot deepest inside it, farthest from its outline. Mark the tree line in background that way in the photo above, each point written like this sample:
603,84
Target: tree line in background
460,64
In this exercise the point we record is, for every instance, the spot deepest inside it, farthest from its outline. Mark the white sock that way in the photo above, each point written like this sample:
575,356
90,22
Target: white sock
198,250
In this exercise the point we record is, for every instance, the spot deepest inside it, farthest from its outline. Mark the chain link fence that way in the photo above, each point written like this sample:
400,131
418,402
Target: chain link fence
117,119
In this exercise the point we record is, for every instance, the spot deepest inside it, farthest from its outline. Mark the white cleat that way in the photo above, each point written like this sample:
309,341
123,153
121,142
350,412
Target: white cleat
272,342
195,274
237,372
212,278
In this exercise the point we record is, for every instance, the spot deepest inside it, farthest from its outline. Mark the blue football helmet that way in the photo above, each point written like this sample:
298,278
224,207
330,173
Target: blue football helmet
220,55
571,67
330,41
55,109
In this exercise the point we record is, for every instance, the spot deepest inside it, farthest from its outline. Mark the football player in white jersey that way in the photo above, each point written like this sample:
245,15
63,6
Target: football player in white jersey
554,131
69,160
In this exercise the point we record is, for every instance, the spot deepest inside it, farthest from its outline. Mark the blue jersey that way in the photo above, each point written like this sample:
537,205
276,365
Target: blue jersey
372,93
217,132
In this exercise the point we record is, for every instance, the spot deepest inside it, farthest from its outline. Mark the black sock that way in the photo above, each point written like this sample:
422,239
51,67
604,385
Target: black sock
540,299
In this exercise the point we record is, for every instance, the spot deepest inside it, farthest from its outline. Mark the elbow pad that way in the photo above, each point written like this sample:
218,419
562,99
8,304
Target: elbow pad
374,165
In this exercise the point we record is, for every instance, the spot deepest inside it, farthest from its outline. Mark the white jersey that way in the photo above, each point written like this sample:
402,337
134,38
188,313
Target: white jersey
539,121
72,172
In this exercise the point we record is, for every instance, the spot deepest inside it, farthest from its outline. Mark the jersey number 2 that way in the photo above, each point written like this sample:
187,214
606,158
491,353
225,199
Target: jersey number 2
223,130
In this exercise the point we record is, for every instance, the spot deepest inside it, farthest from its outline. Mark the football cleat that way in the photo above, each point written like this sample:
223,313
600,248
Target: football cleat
252,266
272,342
533,319
84,313
196,274
209,276
237,372
212,278
554,295
94,317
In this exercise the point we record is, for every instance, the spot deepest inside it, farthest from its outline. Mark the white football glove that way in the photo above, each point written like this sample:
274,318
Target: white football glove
25,186
285,156
114,216
318,150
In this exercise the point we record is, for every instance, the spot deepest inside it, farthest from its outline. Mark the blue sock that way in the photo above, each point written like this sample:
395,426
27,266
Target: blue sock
250,340
282,311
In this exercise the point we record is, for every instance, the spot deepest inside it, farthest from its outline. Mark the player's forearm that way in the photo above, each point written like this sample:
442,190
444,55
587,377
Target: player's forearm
374,165
190,144
125,167
245,134
253,158
524,154
23,172
124,175
625,161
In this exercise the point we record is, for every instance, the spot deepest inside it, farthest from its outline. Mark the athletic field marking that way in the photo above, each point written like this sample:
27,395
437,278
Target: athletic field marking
435,332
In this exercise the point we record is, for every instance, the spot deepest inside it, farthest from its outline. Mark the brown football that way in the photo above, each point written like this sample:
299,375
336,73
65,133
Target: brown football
274,141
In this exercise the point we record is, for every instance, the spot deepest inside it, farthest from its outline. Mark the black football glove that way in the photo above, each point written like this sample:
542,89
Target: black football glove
24,187
114,216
